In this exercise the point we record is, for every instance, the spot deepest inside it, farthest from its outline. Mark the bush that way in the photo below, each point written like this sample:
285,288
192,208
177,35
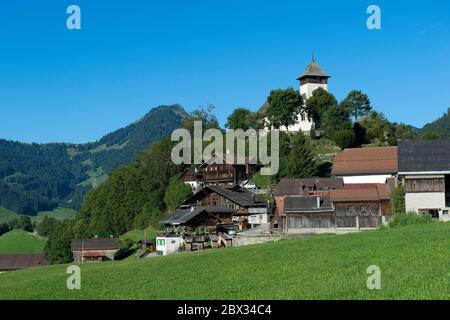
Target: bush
398,200
403,219
345,138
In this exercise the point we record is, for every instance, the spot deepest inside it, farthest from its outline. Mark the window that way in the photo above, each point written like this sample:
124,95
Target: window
161,242
364,210
445,212
351,209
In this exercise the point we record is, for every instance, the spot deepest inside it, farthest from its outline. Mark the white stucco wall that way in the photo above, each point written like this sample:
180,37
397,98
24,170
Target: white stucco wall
366,179
168,245
308,89
425,200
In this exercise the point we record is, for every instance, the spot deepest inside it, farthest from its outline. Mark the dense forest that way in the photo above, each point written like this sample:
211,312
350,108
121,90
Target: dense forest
40,177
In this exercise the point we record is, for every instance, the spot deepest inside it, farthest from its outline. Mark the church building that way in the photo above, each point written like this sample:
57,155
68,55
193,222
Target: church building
312,78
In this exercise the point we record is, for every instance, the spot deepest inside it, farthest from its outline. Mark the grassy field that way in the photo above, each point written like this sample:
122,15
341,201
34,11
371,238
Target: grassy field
58,213
137,235
19,241
414,261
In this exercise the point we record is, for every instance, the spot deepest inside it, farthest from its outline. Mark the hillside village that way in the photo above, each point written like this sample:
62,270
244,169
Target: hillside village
226,208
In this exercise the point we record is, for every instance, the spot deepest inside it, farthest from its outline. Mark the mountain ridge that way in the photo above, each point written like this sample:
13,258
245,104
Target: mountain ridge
37,177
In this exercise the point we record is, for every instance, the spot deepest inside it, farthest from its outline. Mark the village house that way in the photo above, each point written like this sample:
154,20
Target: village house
182,225
218,170
210,218
17,261
310,80
94,250
366,165
244,203
424,168
192,178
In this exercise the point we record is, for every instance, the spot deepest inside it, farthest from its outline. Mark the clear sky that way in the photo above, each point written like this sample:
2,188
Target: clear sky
75,86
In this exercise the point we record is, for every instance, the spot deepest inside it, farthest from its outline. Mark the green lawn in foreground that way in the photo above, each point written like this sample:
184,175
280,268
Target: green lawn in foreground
414,260
19,241
58,213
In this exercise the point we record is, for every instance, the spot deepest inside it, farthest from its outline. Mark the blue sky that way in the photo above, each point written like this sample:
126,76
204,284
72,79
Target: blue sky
75,86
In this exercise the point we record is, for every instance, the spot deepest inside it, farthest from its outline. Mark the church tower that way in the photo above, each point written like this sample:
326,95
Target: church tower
312,78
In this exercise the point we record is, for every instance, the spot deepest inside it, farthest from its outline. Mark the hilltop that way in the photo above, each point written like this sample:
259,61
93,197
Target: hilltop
413,262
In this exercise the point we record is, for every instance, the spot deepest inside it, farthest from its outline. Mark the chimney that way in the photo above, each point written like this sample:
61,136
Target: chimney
318,202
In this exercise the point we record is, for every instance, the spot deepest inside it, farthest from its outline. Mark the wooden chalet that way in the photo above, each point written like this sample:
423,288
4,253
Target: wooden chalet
218,170
94,250
199,216
242,201
17,261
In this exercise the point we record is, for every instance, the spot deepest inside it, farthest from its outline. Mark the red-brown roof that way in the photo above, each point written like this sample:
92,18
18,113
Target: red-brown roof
365,192
366,161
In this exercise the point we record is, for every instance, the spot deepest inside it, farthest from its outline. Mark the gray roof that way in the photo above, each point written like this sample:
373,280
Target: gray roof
299,204
431,156
313,70
288,187
95,244
181,216
240,196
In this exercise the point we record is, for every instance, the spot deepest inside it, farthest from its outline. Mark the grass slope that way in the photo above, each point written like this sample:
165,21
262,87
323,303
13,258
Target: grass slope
414,261
19,241
137,235
58,213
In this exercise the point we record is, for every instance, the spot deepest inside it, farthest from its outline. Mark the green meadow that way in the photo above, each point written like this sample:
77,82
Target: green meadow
414,262
58,213
19,241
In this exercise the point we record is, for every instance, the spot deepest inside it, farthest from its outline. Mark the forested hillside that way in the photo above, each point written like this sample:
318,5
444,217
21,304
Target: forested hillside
439,127
39,177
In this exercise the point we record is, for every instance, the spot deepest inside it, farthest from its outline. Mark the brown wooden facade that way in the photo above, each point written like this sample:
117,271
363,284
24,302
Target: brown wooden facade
228,173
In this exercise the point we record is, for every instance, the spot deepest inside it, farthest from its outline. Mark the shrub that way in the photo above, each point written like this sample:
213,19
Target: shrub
408,218
398,200
345,138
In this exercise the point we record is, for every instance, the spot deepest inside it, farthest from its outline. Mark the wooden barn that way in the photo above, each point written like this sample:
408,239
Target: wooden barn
17,261
361,205
94,250
300,212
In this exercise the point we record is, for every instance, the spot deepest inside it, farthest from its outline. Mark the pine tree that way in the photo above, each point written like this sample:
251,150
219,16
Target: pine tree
300,162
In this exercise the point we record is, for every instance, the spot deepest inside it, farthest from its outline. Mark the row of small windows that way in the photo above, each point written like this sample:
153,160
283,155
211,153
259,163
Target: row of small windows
215,168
